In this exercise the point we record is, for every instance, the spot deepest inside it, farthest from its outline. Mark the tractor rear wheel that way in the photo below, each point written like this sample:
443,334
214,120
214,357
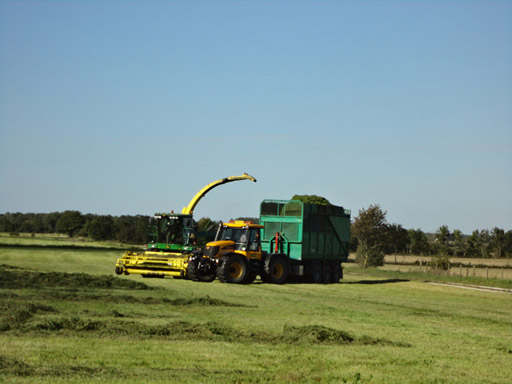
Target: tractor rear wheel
233,269
275,269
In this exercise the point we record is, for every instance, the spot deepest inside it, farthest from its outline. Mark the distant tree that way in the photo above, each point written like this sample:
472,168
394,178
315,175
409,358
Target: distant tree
397,239
370,228
101,228
255,220
498,242
442,238
11,222
441,259
6,224
458,242
30,224
418,242
353,243
50,221
508,244
70,223
485,241
311,199
88,217
473,246
205,223
131,229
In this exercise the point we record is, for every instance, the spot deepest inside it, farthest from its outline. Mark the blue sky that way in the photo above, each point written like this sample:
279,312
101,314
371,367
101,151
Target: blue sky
130,107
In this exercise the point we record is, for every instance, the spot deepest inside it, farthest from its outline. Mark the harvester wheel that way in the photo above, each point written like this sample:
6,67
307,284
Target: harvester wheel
337,272
326,273
314,273
196,274
233,269
275,269
119,271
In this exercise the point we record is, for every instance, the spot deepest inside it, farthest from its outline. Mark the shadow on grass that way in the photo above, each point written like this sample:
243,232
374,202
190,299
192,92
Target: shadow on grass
384,281
292,280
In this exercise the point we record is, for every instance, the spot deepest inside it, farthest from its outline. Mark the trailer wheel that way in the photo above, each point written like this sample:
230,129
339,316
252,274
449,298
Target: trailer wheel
314,273
275,269
337,273
233,269
326,273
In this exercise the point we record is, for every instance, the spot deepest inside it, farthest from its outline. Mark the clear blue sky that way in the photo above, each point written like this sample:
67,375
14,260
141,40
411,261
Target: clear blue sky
130,107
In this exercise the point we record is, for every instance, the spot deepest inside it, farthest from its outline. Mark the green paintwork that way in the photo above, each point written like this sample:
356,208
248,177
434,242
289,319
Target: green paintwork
171,232
310,231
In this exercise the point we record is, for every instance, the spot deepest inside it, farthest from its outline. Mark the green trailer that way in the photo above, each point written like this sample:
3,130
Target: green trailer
293,240
314,237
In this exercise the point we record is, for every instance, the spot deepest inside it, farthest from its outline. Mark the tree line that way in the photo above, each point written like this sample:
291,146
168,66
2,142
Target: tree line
125,229
371,235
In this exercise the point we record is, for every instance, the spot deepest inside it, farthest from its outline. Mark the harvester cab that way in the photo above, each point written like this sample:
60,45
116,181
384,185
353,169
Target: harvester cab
172,232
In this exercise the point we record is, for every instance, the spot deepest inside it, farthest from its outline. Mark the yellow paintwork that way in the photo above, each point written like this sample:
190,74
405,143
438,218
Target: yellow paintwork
228,246
222,244
153,263
241,224
199,195
277,271
235,270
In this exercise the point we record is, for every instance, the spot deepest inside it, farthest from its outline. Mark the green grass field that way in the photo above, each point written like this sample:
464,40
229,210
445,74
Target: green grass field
53,240
65,317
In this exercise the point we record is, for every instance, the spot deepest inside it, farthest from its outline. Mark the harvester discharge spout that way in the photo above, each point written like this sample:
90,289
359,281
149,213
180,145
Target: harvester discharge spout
189,209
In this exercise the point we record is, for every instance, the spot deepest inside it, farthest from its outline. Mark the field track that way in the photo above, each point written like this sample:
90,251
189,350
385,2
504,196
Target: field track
475,287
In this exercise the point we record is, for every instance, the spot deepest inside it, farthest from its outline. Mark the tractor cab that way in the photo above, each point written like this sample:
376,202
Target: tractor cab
245,237
172,232
238,236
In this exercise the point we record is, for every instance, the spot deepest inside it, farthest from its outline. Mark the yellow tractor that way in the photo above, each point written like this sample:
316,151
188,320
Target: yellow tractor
236,257
172,239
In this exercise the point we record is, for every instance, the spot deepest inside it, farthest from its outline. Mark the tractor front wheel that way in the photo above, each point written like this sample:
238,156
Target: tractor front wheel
233,269
197,274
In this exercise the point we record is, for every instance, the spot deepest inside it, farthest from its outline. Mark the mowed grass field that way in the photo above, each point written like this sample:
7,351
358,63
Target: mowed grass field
65,317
